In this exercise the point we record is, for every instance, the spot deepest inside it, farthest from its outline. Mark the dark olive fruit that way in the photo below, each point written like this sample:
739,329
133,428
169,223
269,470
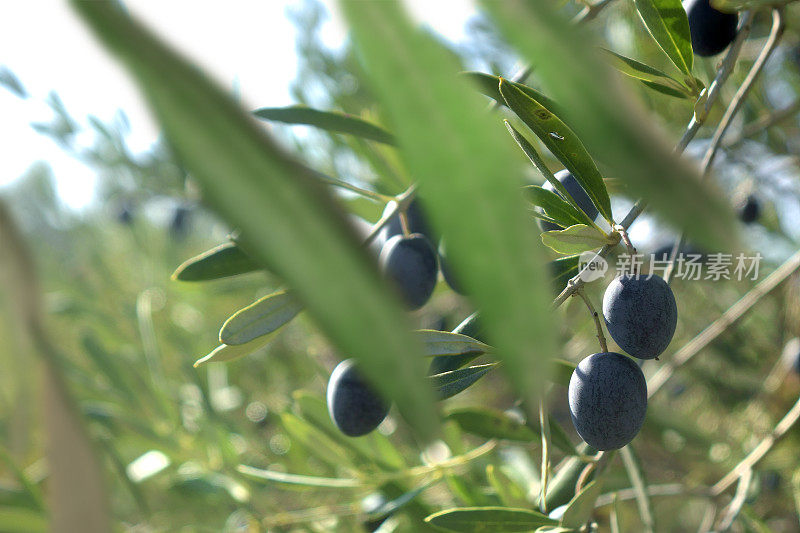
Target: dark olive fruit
607,400
410,263
711,30
417,221
641,314
353,405
749,210
578,194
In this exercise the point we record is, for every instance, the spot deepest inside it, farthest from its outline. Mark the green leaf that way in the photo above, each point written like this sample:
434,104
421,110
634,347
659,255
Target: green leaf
21,520
575,239
490,86
667,22
260,318
327,120
483,519
273,476
562,270
556,207
315,442
224,352
611,122
289,222
375,447
491,424
221,262
448,384
443,343
580,509
457,150
653,77
562,142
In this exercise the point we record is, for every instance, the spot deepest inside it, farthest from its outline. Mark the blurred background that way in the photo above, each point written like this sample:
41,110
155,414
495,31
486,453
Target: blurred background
109,213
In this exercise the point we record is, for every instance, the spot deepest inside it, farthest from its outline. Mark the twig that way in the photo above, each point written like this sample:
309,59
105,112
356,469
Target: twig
764,123
401,204
735,507
372,195
760,451
597,324
669,489
728,318
636,476
590,12
545,430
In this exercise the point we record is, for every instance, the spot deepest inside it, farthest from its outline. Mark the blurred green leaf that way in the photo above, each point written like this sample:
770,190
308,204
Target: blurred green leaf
327,120
288,221
667,22
611,123
273,476
21,520
562,371
315,442
221,262
374,447
575,239
482,519
491,424
562,142
580,509
459,155
509,492
653,77
448,384
260,318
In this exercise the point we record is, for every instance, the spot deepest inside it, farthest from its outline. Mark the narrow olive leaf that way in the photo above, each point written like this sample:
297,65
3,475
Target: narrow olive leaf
272,476
448,384
225,353
262,317
315,442
490,86
575,239
471,327
444,343
667,22
611,121
663,89
537,161
556,207
732,6
562,270
491,424
392,506
580,509
495,519
289,222
221,262
562,142
457,150
645,73
327,120
560,439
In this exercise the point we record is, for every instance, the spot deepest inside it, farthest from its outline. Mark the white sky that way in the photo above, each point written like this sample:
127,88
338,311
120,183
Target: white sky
247,42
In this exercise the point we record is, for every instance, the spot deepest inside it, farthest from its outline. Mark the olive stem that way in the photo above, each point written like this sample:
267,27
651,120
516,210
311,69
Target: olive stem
372,195
401,203
596,317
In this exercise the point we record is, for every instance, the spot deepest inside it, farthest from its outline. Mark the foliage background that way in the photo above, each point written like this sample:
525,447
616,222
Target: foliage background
129,335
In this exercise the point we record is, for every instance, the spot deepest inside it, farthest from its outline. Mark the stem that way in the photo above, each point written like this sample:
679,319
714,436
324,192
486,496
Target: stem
669,489
728,318
737,503
401,203
590,12
600,337
764,123
545,430
636,476
760,451
372,195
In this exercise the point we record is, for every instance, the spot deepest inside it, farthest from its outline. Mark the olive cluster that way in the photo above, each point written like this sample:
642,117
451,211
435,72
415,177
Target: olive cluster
408,259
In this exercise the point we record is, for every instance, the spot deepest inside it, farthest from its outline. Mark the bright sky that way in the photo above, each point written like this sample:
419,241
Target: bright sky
249,43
